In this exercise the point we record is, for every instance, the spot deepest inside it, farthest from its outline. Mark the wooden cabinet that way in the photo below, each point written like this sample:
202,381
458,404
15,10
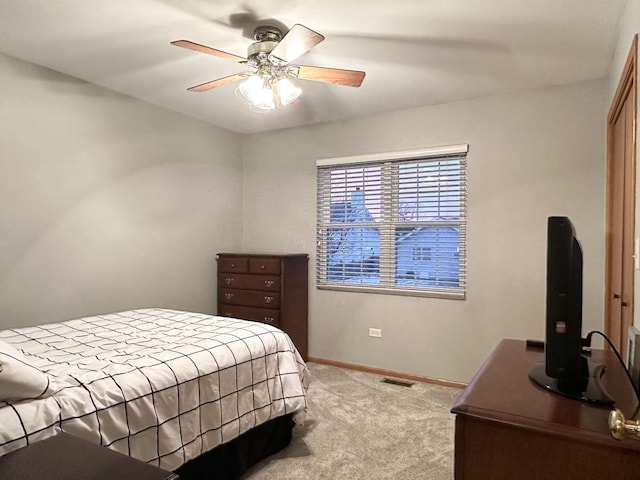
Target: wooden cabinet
507,427
272,289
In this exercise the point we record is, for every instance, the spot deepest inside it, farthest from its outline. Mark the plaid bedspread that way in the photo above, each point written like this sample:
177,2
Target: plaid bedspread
160,385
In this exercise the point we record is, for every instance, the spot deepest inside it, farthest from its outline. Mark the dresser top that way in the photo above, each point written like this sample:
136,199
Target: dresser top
502,392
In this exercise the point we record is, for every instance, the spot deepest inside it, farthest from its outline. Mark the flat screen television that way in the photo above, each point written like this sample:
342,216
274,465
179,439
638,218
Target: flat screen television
566,370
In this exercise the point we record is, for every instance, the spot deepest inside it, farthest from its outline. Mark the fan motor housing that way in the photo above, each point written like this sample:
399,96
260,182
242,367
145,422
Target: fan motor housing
266,38
264,46
267,32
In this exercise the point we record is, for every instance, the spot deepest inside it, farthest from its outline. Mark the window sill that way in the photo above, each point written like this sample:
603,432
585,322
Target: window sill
446,294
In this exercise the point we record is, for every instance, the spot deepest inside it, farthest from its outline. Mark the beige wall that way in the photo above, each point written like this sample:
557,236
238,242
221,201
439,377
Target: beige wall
532,154
107,203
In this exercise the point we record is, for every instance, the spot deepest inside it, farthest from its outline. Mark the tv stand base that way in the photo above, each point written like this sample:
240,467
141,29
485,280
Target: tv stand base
587,389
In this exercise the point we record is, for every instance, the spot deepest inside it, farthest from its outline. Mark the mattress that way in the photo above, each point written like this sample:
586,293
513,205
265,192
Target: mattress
162,386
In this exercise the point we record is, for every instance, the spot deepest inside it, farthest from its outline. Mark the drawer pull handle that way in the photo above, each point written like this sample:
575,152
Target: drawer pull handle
228,281
228,296
261,267
268,319
621,427
268,283
268,299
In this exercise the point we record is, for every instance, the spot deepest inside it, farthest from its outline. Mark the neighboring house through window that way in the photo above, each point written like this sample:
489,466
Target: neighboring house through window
394,223
421,254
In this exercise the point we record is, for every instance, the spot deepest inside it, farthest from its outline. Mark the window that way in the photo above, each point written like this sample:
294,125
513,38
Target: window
393,223
422,254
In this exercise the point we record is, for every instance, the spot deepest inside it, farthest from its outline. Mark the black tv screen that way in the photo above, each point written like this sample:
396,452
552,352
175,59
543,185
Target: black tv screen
563,342
565,369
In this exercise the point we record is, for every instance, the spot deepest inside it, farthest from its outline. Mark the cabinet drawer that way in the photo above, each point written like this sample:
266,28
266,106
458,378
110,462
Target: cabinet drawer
233,264
270,283
250,298
264,265
250,313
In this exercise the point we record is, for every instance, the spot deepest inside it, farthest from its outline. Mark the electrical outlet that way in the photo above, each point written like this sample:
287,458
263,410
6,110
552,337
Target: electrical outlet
375,332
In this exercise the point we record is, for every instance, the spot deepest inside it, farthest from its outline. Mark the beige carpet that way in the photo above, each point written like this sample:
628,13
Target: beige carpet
358,427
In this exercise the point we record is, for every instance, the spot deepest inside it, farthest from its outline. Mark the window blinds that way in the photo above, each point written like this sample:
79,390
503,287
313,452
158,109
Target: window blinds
393,223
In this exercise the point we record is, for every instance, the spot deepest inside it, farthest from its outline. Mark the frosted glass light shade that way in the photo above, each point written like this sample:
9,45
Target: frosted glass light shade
268,92
287,91
265,102
251,88
255,90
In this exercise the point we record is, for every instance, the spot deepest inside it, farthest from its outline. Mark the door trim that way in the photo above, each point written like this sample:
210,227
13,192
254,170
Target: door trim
627,88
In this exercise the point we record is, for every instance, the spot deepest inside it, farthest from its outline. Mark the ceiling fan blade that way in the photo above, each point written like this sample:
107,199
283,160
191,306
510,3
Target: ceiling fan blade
204,49
217,83
297,41
349,78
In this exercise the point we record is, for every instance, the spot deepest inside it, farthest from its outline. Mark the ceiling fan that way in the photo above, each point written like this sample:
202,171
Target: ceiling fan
270,85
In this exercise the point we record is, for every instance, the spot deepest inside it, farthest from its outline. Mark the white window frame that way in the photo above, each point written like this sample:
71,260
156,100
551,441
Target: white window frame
390,221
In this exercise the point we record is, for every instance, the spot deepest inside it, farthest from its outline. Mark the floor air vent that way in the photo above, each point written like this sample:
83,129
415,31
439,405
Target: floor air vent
395,381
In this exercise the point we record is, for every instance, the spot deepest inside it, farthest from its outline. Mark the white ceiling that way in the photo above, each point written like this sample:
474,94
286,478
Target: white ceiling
415,52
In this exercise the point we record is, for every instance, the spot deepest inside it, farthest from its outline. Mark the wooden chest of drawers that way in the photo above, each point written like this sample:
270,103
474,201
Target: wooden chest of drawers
266,288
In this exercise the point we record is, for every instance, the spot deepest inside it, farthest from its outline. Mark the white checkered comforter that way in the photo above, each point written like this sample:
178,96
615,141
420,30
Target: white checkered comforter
159,385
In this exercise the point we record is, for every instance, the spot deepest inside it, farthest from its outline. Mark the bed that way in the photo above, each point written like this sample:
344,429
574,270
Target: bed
178,390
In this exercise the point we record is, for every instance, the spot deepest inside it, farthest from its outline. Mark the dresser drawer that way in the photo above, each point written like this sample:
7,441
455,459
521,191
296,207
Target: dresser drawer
270,283
264,265
266,287
250,298
233,264
264,315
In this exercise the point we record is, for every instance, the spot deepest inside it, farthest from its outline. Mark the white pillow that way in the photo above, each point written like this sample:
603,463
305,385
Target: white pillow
19,379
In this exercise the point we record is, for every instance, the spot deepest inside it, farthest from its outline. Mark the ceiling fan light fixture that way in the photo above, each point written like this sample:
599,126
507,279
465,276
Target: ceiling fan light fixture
286,91
271,55
257,92
252,88
265,103
268,91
